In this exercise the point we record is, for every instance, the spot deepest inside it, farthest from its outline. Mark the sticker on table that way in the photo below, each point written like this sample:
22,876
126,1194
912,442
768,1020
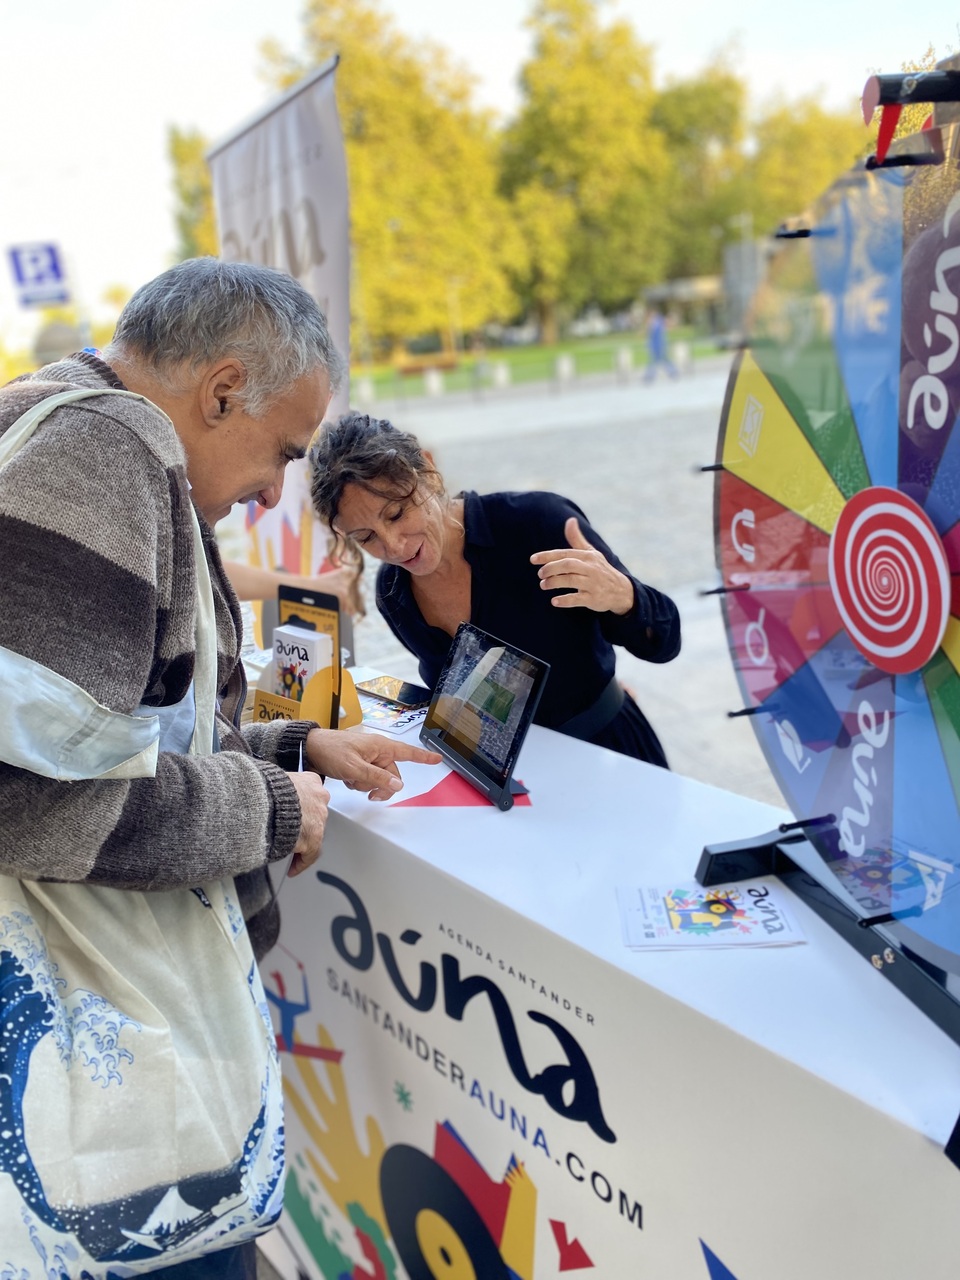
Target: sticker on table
453,792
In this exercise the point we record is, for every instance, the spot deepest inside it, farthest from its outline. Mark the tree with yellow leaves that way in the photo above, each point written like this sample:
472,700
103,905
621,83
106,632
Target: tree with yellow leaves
584,164
431,238
703,119
193,189
800,149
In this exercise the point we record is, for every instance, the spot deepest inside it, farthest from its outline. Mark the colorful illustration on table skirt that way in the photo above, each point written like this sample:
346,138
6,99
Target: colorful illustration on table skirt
837,524
704,912
434,1214
289,1009
368,1210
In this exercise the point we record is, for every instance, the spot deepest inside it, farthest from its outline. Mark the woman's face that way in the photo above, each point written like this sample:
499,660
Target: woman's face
411,532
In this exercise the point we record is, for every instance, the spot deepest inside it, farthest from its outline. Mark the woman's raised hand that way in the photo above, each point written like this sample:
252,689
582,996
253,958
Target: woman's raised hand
591,580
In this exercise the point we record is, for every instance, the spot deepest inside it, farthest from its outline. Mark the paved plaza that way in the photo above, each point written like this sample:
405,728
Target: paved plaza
629,454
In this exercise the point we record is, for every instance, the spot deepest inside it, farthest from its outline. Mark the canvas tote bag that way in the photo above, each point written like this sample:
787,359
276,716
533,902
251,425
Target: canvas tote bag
140,1099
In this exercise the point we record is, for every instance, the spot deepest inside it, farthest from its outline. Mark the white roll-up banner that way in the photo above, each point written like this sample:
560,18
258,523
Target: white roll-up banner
280,193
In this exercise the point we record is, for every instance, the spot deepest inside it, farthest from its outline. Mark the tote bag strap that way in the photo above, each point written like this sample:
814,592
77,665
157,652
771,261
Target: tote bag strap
205,644
19,432
55,728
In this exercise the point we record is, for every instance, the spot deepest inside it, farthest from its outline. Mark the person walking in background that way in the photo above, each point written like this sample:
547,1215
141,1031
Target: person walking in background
657,347
526,567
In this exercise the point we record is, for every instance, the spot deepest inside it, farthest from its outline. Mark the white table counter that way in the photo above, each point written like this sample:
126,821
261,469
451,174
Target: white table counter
475,1061
598,820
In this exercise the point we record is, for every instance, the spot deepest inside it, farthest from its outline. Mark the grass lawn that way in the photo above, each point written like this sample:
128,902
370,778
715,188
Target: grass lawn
524,364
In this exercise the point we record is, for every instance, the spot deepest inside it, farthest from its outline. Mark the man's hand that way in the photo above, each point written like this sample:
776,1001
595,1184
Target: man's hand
363,761
595,583
314,798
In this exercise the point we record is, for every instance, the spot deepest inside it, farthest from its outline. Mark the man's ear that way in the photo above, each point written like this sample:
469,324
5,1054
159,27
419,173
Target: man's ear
218,388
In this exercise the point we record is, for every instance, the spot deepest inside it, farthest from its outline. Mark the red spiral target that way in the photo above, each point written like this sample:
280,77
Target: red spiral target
890,580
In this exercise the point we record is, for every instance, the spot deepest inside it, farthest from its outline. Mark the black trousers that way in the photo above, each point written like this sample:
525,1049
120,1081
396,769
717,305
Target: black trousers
238,1263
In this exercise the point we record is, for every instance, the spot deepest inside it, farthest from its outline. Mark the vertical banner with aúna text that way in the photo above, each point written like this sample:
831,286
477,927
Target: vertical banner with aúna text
280,192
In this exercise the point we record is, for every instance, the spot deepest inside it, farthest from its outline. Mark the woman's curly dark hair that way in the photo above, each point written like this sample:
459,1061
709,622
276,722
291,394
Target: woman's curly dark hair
371,453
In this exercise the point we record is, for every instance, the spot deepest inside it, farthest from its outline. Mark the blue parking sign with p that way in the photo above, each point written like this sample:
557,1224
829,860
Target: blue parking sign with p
39,275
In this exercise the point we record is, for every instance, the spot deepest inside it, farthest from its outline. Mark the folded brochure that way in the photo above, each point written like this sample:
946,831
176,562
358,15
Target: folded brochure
687,916
389,717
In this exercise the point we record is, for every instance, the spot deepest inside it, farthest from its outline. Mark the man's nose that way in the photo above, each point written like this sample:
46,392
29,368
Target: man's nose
270,496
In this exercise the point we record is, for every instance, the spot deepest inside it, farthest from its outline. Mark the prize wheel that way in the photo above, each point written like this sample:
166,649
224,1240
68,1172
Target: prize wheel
837,529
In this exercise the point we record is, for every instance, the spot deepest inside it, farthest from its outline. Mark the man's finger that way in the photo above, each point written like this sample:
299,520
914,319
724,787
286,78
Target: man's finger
370,777
418,755
380,782
381,793
376,746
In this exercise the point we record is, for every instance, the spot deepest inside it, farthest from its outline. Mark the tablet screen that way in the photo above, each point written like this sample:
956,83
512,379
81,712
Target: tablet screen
484,702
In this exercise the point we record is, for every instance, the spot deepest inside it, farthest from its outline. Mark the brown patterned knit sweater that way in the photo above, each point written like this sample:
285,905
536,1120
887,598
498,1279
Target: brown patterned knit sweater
97,584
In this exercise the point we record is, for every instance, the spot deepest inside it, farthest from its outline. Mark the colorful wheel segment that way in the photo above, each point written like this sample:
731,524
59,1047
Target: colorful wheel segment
837,529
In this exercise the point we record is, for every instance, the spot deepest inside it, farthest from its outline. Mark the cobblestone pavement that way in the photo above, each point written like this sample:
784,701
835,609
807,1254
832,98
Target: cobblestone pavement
629,454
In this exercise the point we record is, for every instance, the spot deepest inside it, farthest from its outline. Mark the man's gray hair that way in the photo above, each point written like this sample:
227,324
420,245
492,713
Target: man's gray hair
204,309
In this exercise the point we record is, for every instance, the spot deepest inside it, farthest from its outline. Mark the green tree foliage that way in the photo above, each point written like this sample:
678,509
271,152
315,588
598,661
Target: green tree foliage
584,164
193,193
601,185
14,362
431,238
704,123
799,150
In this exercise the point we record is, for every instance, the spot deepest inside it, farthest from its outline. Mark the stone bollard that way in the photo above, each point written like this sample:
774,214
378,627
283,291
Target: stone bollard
623,362
682,356
364,392
500,373
565,368
433,382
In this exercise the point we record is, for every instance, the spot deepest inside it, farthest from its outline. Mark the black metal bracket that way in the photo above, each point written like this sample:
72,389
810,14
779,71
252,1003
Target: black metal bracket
802,233
891,93
771,707
765,855
903,87
745,859
908,161
724,591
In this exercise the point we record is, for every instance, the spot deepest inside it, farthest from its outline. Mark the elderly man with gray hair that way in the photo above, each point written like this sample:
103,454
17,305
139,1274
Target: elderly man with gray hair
123,767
